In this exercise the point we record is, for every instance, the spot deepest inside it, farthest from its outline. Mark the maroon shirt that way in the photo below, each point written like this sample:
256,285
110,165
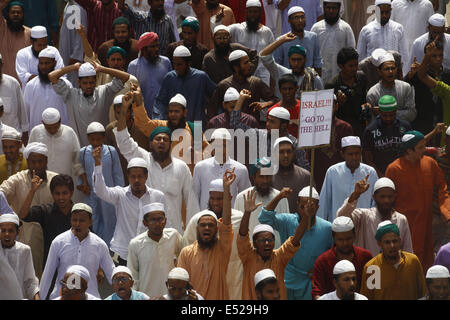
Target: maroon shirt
322,279
223,121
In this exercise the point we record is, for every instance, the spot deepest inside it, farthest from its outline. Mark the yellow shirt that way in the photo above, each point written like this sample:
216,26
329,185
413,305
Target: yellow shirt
7,168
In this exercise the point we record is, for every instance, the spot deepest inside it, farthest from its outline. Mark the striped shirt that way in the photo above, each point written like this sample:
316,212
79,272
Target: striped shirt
100,21
143,22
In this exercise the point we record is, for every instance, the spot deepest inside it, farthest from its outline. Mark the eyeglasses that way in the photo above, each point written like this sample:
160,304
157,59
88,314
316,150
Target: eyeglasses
264,240
121,279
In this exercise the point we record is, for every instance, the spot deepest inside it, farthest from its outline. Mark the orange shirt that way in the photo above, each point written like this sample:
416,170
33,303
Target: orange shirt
252,263
207,268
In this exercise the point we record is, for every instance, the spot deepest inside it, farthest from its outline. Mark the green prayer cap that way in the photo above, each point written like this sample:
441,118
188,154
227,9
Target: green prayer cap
159,130
15,3
260,163
410,139
387,103
192,23
297,49
386,227
121,20
116,49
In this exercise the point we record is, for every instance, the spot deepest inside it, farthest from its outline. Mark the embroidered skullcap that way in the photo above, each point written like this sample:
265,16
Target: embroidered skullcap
410,139
387,57
387,103
207,213
121,20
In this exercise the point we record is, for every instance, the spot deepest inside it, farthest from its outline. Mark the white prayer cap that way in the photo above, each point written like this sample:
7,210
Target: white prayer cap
437,272
137,163
10,217
263,275
350,141
120,269
94,127
207,213
384,223
304,193
180,99
47,53
86,70
153,207
380,2
280,140
221,27
437,20
11,134
280,113
342,224
221,134
253,3
216,185
79,271
35,147
181,51
383,183
118,99
51,116
375,56
295,9
385,58
38,32
343,266
263,228
231,95
81,207
178,274
237,54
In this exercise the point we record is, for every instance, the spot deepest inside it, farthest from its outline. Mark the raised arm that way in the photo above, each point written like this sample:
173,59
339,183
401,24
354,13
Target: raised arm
36,182
283,4
288,37
122,75
228,179
85,42
56,74
250,205
101,190
422,70
306,215
284,193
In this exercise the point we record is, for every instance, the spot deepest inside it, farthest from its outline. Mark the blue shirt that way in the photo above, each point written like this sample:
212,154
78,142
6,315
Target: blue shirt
195,86
315,241
4,206
339,184
41,13
310,42
150,77
312,8
135,295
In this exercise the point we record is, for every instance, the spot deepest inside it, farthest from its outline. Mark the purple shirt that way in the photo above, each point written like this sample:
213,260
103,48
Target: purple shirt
443,256
312,11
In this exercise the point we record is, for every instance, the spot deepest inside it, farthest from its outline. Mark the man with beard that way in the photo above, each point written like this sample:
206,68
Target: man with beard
207,259
152,253
166,173
313,9
39,93
438,283
306,39
16,189
121,38
189,32
27,59
343,231
216,63
334,34
266,285
13,35
382,33
345,281
306,78
253,34
90,102
156,20
400,274
150,68
315,241
211,13
12,161
195,85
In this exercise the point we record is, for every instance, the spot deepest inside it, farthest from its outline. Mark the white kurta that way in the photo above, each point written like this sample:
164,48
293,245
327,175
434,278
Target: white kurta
391,36
254,40
235,270
332,38
209,169
150,262
175,180
333,296
417,51
63,149
273,18
66,250
39,96
283,206
11,289
13,104
21,261
413,16
129,211
27,63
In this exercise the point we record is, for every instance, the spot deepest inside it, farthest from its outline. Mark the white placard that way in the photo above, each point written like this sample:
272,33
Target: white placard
316,115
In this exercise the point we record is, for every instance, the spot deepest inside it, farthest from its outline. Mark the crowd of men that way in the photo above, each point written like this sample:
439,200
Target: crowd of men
143,142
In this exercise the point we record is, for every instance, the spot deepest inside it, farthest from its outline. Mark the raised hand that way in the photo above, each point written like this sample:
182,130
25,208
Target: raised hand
362,186
127,100
36,181
285,192
228,178
250,204
310,209
192,295
440,127
245,94
220,15
97,155
81,31
414,66
137,94
289,37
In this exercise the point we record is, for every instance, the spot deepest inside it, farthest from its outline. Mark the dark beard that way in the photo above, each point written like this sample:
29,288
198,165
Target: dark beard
160,156
125,46
44,77
181,125
153,60
222,51
212,6
332,21
206,244
158,13
252,25
349,297
262,192
14,26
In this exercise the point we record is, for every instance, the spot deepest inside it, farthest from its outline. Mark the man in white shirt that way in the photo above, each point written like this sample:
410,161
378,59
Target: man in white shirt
334,34
129,203
382,32
38,93
27,58
76,246
151,254
166,173
214,168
